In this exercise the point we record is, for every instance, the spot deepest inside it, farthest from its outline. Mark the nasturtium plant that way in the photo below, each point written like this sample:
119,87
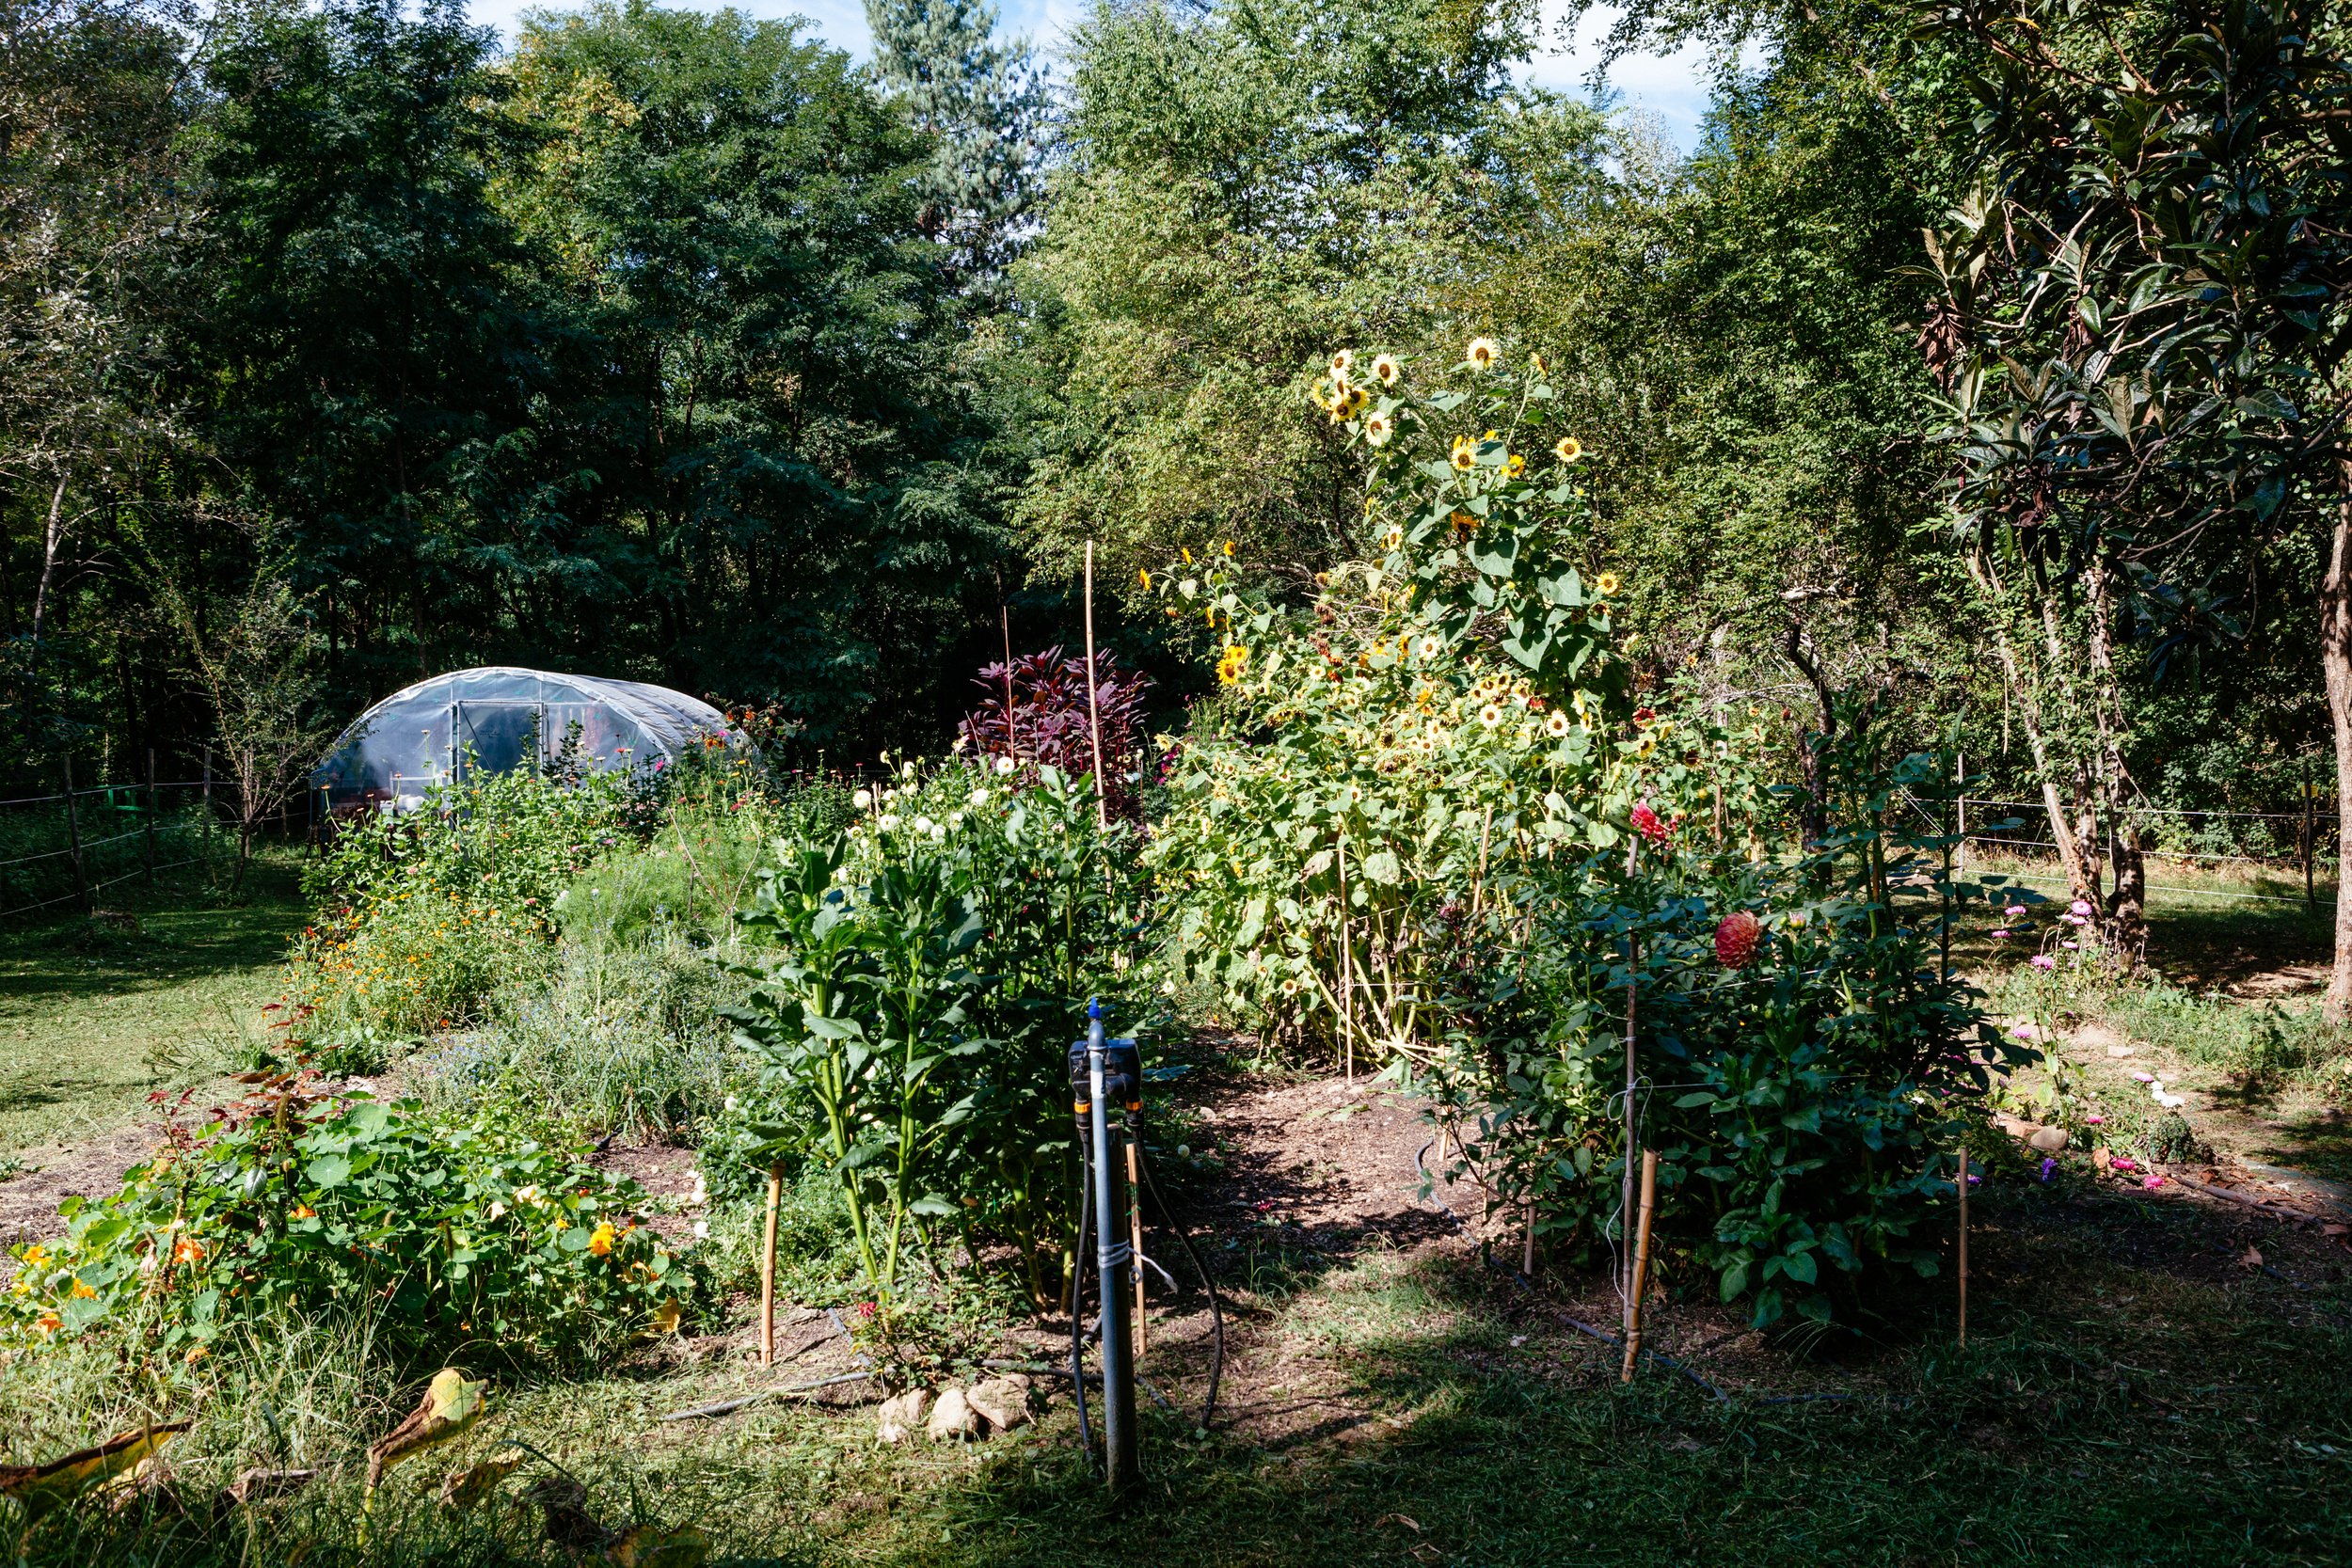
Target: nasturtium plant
445,1235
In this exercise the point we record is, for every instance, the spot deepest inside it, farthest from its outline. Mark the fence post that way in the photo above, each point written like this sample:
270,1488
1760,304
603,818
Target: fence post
204,843
150,817
2309,794
74,837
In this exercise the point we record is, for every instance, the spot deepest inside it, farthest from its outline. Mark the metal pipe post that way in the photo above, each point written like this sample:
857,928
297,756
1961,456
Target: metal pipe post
1113,1258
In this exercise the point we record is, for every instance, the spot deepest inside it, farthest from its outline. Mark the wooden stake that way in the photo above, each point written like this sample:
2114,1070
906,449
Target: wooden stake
1963,1246
1347,974
1527,1253
150,817
74,837
1640,1263
1632,961
1094,715
1134,1224
767,1270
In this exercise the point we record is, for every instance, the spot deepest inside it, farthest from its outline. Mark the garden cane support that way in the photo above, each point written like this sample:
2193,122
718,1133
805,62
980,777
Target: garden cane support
1632,963
1641,1264
768,1270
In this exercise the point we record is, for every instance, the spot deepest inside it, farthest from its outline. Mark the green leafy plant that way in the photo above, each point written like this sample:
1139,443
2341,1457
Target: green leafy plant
448,1234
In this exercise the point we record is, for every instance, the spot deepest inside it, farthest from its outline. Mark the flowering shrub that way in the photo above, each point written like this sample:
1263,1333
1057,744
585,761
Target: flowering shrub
452,1235
424,914
1432,814
935,964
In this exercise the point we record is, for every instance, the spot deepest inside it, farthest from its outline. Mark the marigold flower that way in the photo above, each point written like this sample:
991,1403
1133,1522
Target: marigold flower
1385,370
1483,352
1567,448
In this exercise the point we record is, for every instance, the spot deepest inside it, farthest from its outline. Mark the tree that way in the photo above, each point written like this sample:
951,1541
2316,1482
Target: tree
982,106
2144,333
255,656
1246,188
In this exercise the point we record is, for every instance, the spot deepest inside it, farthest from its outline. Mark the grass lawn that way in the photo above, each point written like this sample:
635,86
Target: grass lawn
93,1016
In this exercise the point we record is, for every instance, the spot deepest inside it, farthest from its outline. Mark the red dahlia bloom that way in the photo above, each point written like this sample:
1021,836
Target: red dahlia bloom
1646,822
1736,938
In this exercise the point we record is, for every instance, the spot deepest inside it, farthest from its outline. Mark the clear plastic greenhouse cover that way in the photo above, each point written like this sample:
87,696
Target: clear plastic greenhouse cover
493,719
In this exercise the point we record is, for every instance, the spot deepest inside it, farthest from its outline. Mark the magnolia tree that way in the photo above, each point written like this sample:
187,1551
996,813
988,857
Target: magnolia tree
1432,819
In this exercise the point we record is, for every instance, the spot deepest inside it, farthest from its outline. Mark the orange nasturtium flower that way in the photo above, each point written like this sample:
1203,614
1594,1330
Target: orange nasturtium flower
187,1249
602,1242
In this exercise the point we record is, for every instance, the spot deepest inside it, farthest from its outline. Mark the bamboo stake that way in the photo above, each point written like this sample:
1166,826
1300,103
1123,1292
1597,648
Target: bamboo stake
1640,1263
1134,1224
1094,715
768,1270
1964,1247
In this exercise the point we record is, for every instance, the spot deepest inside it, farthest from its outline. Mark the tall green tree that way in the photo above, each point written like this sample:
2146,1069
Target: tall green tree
983,103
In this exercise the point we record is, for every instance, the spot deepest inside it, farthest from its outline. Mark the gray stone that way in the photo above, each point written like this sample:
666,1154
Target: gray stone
1002,1402
2049,1140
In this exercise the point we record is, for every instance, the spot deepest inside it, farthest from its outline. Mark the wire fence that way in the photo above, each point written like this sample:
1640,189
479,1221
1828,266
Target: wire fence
60,851
2311,852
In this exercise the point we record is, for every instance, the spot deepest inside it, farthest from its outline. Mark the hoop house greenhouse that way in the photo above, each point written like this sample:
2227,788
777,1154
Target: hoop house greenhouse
497,718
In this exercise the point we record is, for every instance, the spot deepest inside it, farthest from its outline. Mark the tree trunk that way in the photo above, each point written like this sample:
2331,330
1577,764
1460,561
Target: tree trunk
2126,921
1813,750
2335,662
2081,879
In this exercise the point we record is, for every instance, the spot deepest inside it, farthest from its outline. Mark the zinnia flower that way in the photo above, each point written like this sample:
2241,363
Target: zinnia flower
1385,370
1567,448
1483,352
1004,764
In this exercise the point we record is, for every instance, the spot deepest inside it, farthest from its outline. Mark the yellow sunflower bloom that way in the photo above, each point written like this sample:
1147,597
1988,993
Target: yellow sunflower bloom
1385,370
1341,363
1606,582
1567,448
1465,455
1483,352
1377,429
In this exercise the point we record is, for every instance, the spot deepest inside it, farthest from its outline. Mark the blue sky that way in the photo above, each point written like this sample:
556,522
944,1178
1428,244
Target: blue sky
1672,88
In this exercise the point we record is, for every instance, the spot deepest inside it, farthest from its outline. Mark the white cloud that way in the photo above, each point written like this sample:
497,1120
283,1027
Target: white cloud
1672,87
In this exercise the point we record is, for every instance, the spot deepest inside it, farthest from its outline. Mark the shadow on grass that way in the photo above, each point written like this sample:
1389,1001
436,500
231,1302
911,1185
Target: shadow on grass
181,934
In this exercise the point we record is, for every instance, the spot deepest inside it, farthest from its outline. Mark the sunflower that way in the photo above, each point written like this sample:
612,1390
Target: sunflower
1385,370
1341,363
1483,352
1535,363
1606,582
1377,429
1353,401
1567,448
1393,539
1430,646
1232,664
1326,396
1491,715
1514,464
1556,724
1465,455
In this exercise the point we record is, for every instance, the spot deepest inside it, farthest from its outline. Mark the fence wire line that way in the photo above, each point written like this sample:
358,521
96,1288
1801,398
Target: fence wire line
95,887
2152,811
88,845
2275,862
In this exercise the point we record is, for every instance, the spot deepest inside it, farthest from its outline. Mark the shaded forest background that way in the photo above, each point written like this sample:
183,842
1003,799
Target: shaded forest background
340,346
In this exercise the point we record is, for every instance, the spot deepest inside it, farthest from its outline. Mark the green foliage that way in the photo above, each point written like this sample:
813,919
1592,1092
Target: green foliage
617,1037
935,966
447,1236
